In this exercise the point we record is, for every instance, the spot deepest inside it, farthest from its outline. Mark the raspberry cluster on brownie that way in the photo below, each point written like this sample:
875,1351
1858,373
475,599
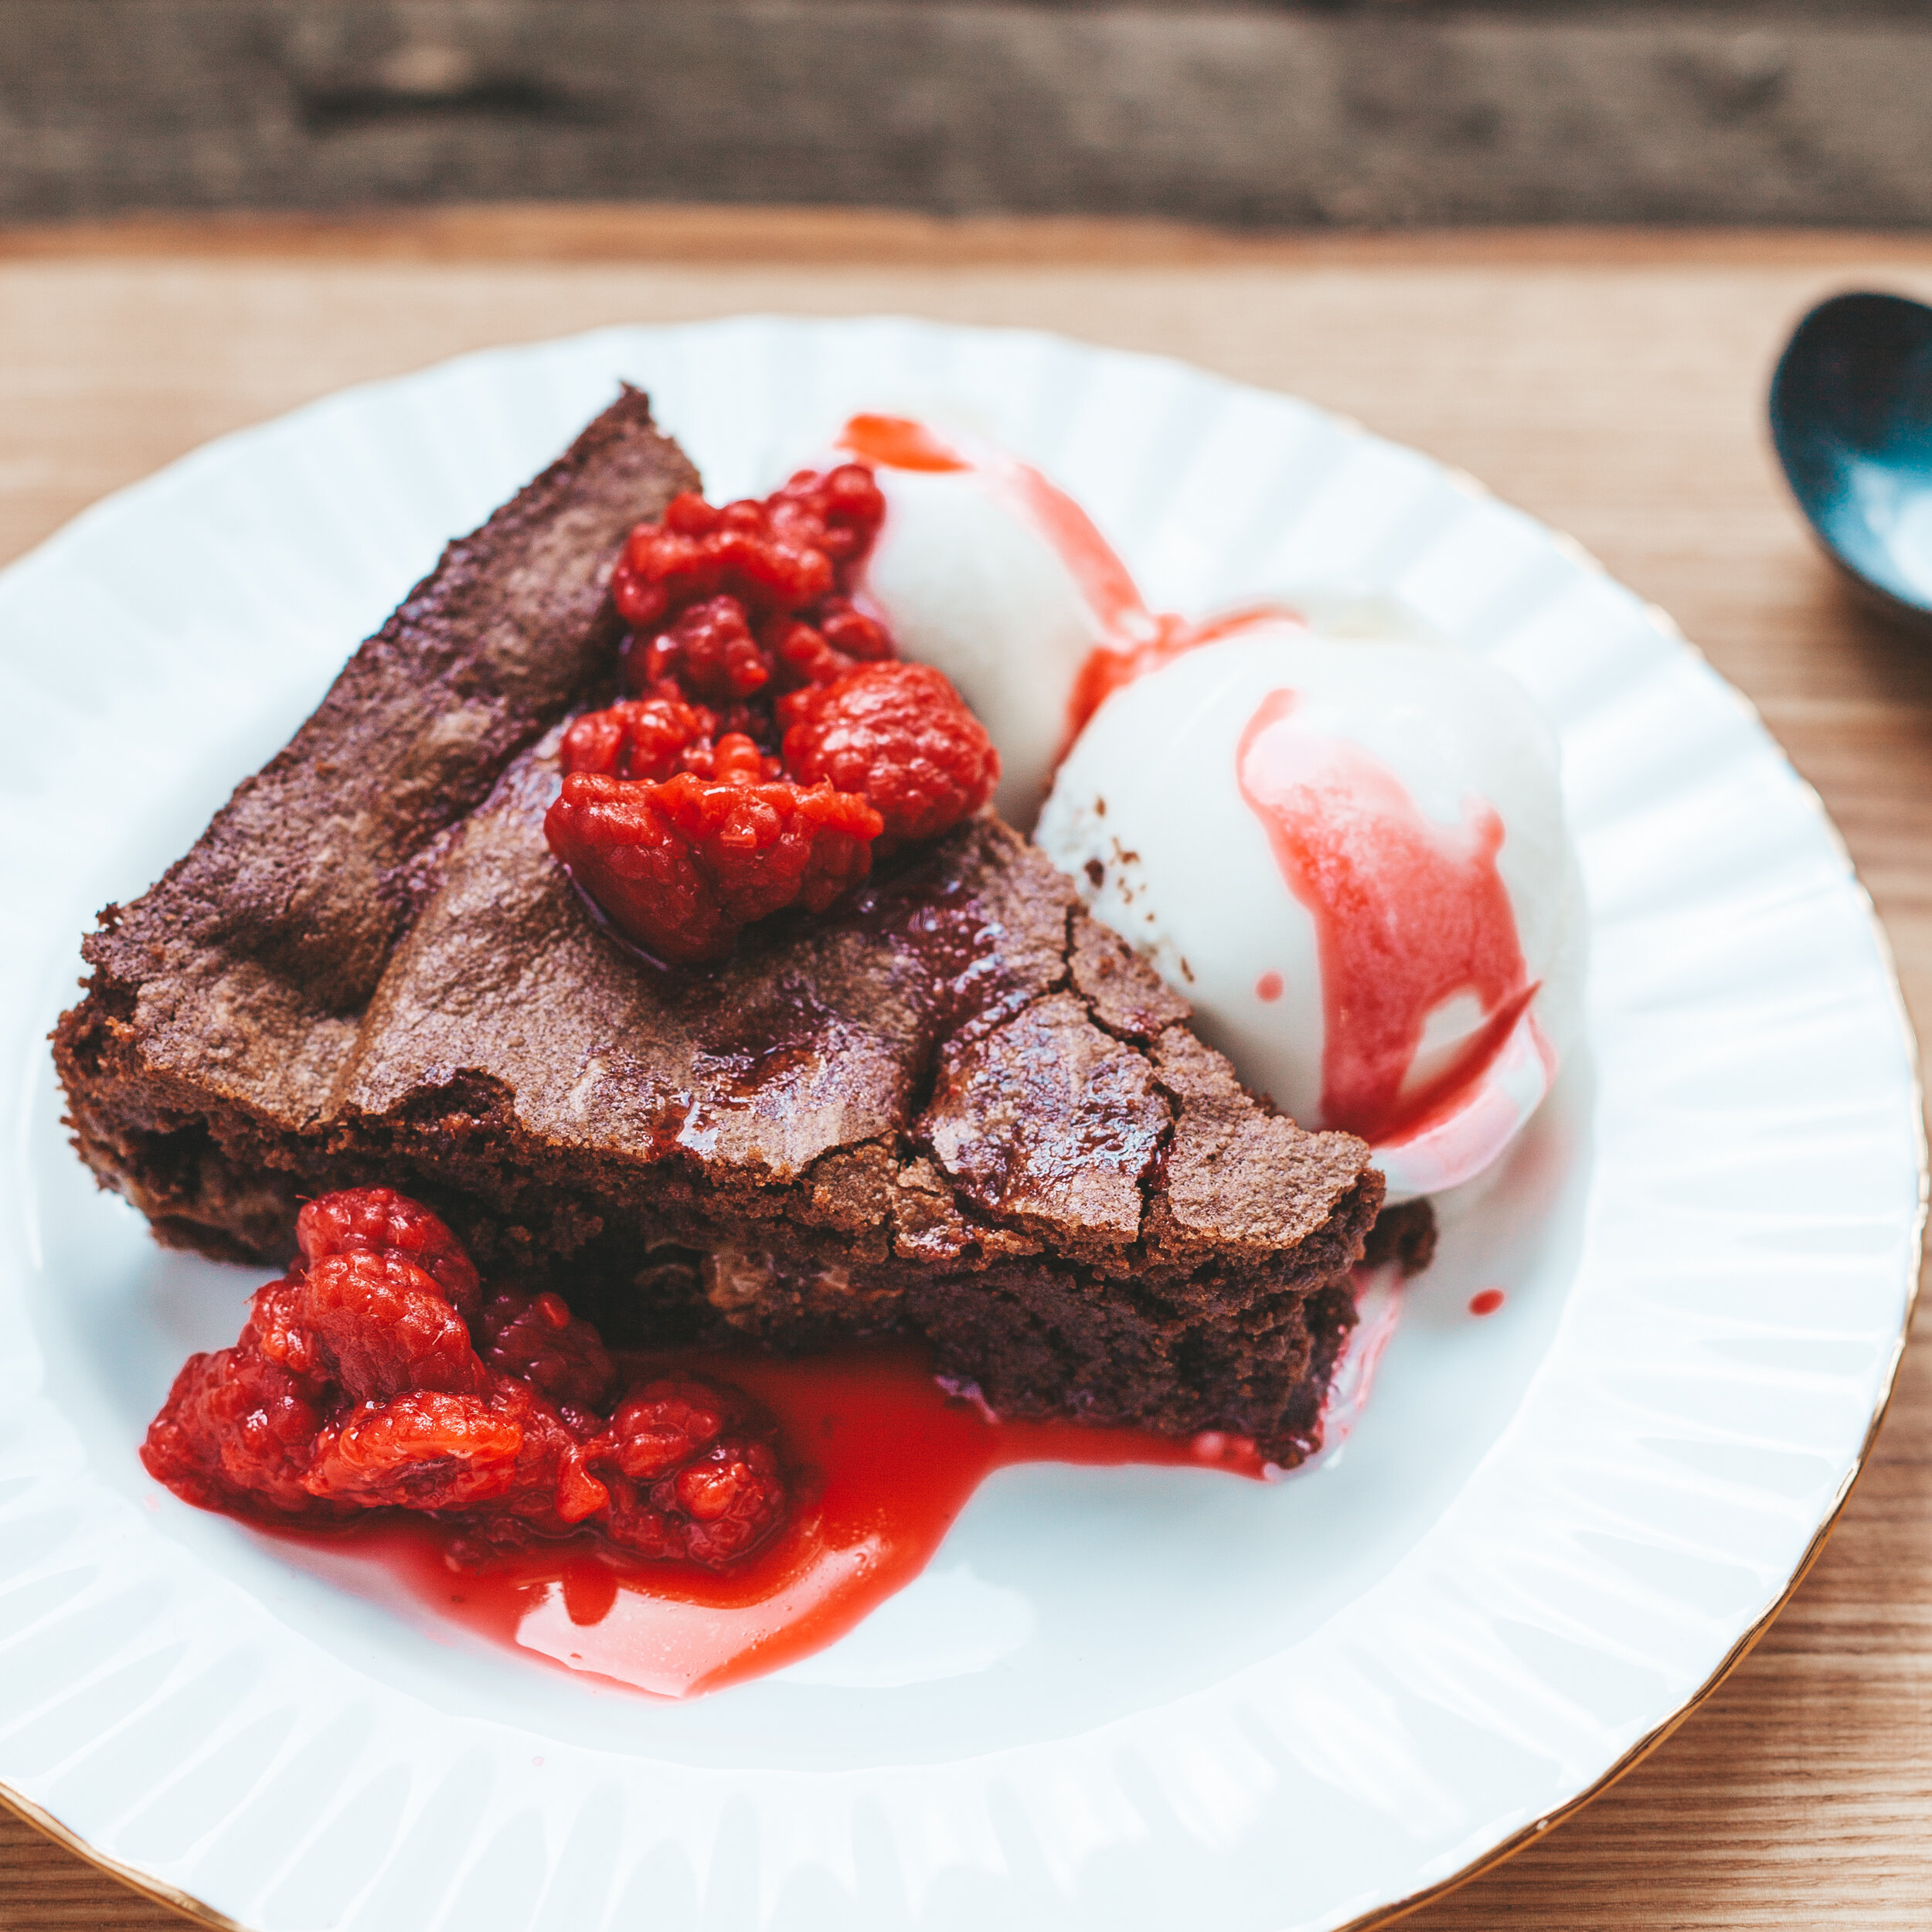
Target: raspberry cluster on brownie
774,743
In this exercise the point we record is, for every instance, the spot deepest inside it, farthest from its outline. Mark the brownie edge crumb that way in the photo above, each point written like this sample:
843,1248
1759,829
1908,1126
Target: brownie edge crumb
1404,1234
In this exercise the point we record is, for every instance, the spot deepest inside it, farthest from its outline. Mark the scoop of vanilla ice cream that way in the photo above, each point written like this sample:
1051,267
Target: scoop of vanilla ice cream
1351,857
967,581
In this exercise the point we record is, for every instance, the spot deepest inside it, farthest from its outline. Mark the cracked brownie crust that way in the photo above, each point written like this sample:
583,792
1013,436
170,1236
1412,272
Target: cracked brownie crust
957,1108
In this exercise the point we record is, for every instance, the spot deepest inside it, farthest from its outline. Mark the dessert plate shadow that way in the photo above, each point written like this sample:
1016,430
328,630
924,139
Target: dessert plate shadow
1118,1699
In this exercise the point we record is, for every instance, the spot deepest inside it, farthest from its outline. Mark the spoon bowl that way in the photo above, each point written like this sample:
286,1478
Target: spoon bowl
1851,409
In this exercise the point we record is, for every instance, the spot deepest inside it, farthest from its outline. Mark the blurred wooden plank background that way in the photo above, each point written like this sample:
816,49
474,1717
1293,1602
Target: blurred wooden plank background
1245,113
1610,383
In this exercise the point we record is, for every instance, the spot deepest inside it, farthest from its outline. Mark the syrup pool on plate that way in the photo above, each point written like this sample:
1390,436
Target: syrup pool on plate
888,1459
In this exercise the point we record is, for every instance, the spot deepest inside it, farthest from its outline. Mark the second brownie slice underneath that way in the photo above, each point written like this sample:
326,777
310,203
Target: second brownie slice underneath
957,1108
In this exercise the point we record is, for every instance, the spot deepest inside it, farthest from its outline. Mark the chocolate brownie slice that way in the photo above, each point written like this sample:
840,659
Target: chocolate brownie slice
956,1107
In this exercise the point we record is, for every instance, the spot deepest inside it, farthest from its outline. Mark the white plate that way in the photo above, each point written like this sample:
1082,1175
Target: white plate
1118,1700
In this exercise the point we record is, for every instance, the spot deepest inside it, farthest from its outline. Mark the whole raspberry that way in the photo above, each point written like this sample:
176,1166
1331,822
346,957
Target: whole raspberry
681,867
900,735
378,1220
536,1338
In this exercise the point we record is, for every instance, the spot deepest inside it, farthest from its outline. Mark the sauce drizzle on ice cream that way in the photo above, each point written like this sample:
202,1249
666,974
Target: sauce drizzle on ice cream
897,443
1133,639
1408,915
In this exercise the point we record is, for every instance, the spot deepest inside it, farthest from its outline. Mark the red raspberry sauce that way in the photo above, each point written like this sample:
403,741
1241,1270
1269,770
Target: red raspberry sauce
1407,914
887,1460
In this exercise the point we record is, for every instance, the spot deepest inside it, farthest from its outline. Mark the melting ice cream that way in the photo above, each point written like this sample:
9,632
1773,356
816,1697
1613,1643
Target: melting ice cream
1351,859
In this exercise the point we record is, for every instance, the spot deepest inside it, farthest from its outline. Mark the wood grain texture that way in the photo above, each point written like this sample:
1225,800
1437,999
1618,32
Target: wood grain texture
1611,385
1355,112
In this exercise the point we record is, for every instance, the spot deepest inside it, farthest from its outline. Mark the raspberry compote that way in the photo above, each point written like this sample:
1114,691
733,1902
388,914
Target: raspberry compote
773,743
379,1374
673,1523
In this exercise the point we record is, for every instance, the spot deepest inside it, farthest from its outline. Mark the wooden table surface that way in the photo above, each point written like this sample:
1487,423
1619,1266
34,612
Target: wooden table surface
1610,382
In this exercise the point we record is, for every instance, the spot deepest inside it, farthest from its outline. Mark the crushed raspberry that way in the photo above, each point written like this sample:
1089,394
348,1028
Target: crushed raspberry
378,1325
686,812
898,734
736,759
852,632
711,652
379,1220
682,867
425,1449
665,1424
537,1339
642,738
357,1383
691,1473
551,1490
275,1331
